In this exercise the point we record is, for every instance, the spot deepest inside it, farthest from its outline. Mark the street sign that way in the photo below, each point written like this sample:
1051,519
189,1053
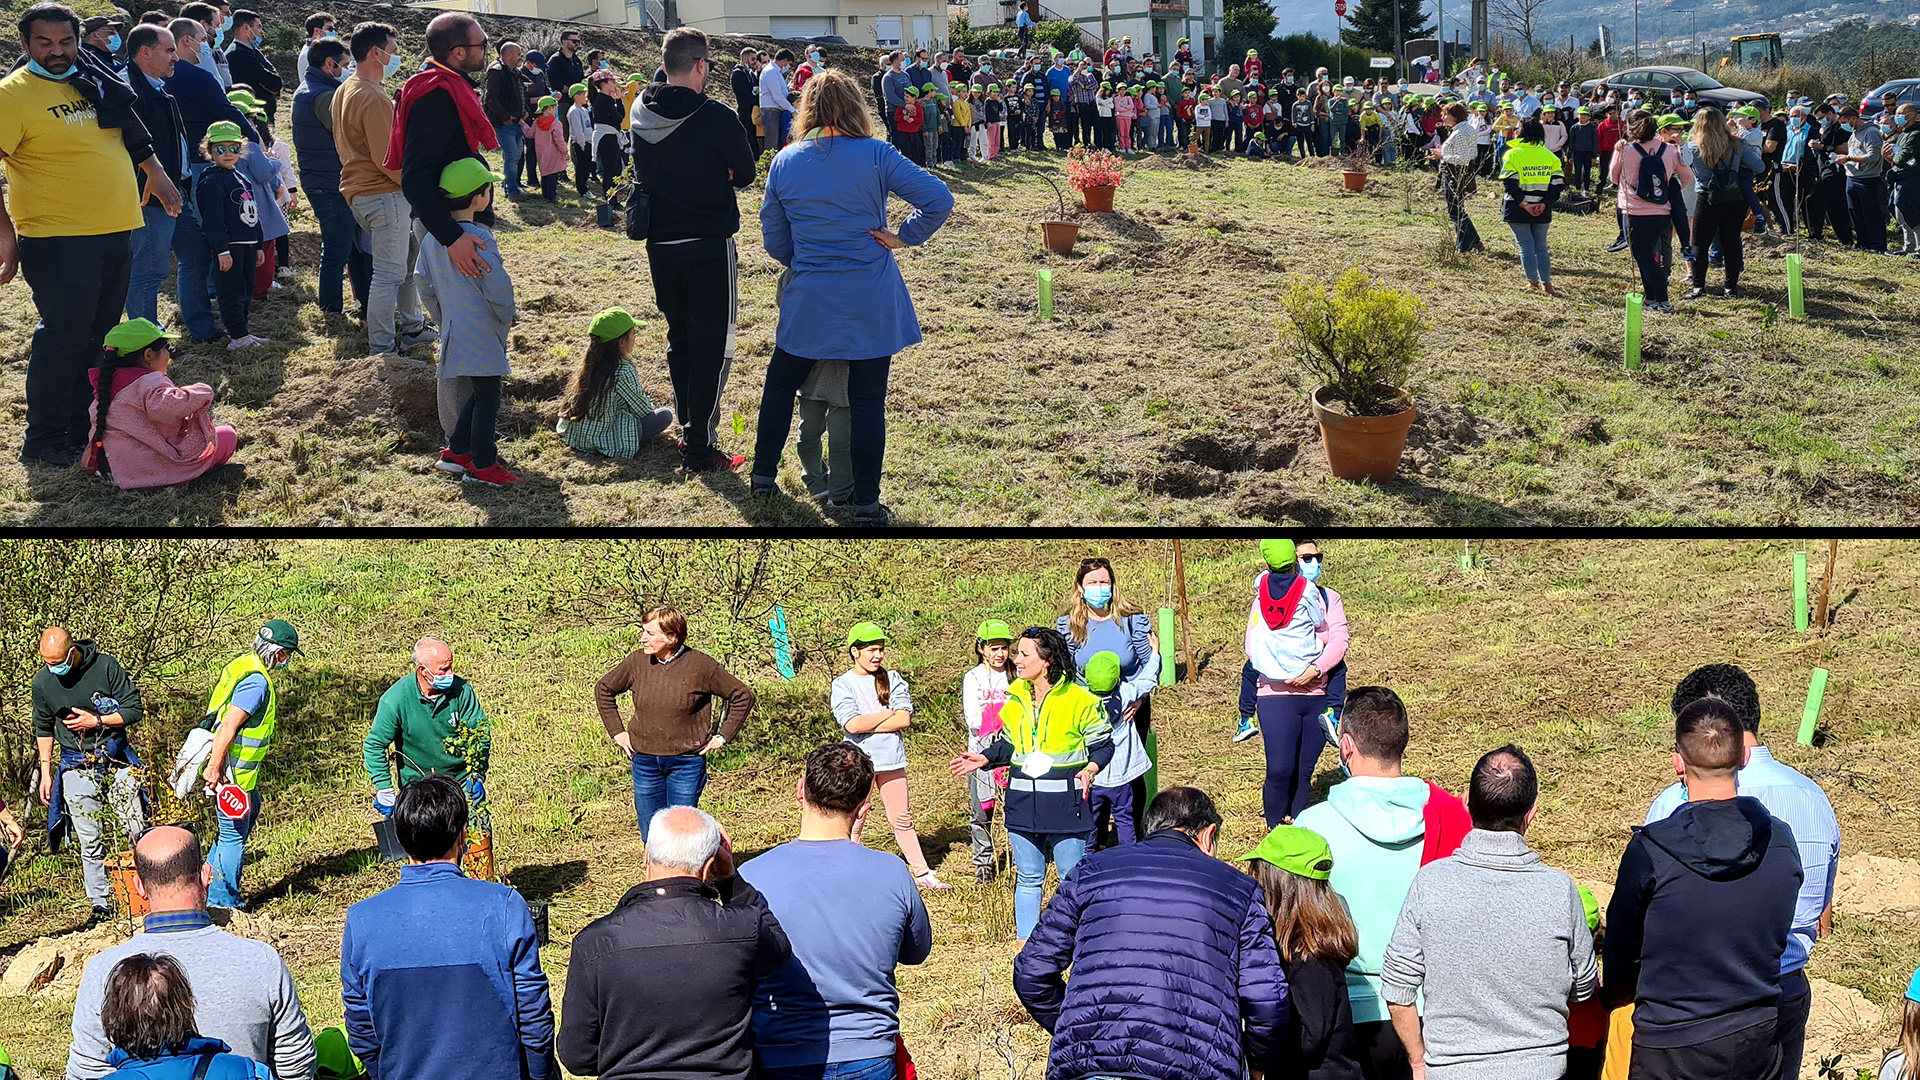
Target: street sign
1340,8
1380,62
232,801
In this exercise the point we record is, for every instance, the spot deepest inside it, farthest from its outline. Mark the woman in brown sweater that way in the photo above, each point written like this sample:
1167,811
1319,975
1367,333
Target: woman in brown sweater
671,731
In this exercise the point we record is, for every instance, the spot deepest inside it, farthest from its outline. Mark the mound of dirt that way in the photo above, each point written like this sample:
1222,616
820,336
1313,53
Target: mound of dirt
335,396
52,965
1841,1021
1209,462
1880,888
1189,162
1205,253
1271,498
1443,431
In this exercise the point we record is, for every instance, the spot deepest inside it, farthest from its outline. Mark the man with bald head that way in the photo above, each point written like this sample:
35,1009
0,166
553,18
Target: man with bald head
414,720
243,992
83,703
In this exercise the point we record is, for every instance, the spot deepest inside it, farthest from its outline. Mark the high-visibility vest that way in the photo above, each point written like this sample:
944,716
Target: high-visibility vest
1069,718
1533,165
251,742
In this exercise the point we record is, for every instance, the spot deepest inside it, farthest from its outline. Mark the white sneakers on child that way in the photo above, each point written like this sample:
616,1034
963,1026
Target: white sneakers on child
247,342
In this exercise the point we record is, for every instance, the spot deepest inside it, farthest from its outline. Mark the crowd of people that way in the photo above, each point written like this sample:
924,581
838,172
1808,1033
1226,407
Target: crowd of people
1391,930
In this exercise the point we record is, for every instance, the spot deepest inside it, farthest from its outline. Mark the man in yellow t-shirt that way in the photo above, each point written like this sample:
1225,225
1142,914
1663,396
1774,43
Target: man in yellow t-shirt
66,219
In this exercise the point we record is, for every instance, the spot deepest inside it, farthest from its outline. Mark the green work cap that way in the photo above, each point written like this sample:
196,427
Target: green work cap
466,176
1183,41
1298,851
1103,672
1259,136
912,91
243,99
635,77
865,633
281,632
1106,86
993,88
1583,111
547,102
1592,908
994,630
612,324
1278,553
1055,93
224,131
131,336
1673,120
1748,111
576,88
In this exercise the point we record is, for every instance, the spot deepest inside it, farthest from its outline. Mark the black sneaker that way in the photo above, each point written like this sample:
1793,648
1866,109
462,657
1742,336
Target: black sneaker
100,915
1731,292
1694,293
879,516
1618,245
761,491
60,457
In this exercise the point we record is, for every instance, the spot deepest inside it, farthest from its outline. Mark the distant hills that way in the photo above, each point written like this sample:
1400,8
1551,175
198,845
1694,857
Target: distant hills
1851,43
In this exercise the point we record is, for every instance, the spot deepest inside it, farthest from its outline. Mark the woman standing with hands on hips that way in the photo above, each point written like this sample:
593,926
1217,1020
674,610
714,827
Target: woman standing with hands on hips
1056,736
1098,619
874,706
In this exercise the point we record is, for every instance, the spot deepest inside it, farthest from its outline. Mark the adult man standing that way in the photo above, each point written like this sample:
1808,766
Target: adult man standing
209,59
692,916
776,105
439,120
440,974
152,55
506,106
1702,909
1793,798
83,702
1496,941
746,96
362,136
248,65
100,36
202,104
1382,826
1023,22
564,67
68,216
1866,181
416,718
690,155
852,914
244,708
1175,973
893,87
243,992
1826,182
319,158
319,28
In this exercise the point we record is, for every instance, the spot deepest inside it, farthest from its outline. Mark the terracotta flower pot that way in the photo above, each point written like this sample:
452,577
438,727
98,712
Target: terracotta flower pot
1099,200
1061,236
1354,180
1362,447
478,861
120,870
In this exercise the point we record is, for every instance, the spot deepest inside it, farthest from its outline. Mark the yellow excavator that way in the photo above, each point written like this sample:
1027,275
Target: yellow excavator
1755,51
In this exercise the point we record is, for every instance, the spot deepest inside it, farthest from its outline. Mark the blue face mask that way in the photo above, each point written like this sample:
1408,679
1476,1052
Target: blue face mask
113,42
1900,120
443,682
72,69
1796,123
1098,596
60,668
1846,127
220,36
1310,569
393,67
1886,129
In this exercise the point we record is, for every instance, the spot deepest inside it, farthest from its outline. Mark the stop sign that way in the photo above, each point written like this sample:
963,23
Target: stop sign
1340,8
232,801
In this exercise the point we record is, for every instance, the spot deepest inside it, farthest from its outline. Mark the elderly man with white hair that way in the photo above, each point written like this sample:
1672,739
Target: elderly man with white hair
417,720
663,986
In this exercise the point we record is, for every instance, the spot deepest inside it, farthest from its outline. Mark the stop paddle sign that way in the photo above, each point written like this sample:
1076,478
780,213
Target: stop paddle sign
1340,8
232,801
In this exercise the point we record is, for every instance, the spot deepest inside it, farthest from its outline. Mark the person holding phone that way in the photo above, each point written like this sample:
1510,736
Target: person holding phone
83,703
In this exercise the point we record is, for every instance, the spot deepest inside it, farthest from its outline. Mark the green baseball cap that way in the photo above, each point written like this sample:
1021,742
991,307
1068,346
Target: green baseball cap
612,323
865,633
993,88
576,88
1260,136
1301,852
994,630
1592,907
1747,111
334,1056
1106,86
1583,111
281,632
224,131
1103,672
466,176
547,102
1673,120
1184,41
912,91
131,336
1278,553
634,76
243,99
1054,93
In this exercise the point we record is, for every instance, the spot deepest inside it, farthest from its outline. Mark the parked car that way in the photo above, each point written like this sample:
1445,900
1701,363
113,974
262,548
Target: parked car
1908,89
1667,82
827,39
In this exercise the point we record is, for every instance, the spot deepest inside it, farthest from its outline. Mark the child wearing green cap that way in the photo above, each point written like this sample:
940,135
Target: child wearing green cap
148,432
580,137
230,219
475,316
906,125
983,690
996,121
1104,135
548,137
1904,1062
1061,117
874,705
606,410
1316,940
977,137
1123,111
935,122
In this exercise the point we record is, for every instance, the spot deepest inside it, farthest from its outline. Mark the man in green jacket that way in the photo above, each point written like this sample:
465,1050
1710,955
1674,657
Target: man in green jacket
83,703
432,722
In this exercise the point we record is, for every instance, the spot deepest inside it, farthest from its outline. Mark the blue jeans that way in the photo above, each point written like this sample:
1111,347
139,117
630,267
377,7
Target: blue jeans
1030,854
152,262
880,1068
513,147
338,251
226,854
663,781
1532,238
196,270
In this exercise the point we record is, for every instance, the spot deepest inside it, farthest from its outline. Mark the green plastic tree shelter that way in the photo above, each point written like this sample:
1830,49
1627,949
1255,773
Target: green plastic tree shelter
1167,670
1631,354
1046,295
1810,716
1800,590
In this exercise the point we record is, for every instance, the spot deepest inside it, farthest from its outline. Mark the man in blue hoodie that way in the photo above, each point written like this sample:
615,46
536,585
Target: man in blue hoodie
1701,912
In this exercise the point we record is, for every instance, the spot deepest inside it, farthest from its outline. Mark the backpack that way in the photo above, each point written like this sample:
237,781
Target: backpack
1723,186
1652,184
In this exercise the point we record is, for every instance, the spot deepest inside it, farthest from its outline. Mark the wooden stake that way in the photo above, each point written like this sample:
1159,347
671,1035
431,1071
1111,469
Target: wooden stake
1180,589
1826,583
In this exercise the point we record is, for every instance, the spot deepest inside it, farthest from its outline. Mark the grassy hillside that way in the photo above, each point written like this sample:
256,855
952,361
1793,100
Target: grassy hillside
1162,392
1569,648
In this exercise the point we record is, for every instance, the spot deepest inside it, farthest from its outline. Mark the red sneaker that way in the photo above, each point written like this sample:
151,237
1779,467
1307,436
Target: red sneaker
713,461
459,464
494,475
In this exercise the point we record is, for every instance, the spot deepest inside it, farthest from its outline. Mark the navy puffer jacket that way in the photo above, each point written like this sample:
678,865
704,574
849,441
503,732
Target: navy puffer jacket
1175,976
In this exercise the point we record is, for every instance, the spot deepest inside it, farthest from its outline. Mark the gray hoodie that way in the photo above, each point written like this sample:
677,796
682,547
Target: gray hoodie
1498,943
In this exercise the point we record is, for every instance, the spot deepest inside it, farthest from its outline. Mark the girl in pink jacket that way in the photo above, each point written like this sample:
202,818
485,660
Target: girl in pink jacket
147,432
1123,110
548,137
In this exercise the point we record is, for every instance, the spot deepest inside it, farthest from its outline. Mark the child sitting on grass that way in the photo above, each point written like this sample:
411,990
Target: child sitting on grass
606,410
230,218
548,137
147,432
475,316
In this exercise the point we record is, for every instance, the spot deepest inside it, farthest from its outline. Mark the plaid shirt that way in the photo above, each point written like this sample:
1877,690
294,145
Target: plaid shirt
1082,88
615,430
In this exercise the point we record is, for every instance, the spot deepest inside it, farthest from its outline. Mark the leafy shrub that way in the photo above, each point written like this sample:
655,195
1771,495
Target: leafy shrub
1087,167
286,37
1055,33
1358,339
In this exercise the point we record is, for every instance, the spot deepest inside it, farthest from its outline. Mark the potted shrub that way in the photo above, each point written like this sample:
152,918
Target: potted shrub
1060,233
1094,174
1358,341
1353,173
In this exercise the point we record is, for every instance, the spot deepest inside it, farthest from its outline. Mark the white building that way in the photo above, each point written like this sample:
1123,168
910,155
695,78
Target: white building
1156,26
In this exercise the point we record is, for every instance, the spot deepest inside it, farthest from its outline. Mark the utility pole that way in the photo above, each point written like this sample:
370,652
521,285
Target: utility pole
1636,33
1399,45
1105,36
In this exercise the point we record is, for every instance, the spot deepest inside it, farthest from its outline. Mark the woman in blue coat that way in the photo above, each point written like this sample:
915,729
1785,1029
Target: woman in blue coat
824,217
147,1014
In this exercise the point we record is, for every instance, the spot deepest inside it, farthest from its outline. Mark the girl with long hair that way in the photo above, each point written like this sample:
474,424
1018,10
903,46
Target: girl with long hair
1904,1062
1316,941
983,693
1098,619
875,706
606,410
1646,173
1721,168
147,432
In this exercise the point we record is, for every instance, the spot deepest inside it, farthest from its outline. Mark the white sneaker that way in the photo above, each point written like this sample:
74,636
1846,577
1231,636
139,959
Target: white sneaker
275,287
931,880
246,342
285,273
